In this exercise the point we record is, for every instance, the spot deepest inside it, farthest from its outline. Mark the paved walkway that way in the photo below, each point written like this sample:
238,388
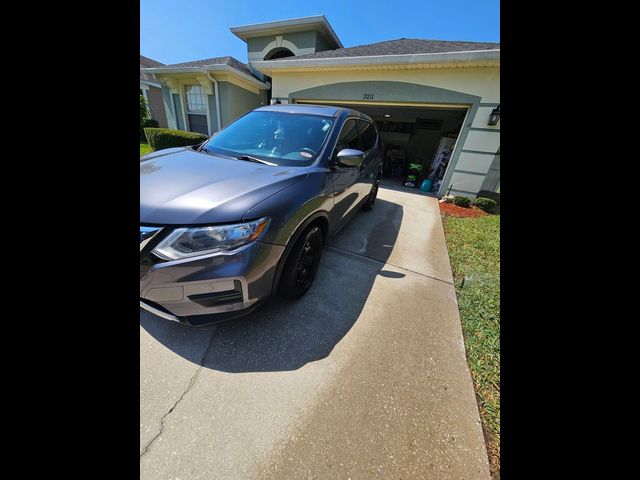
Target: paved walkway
363,378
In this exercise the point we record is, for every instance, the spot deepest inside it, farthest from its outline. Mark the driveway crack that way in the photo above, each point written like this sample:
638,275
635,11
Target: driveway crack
192,382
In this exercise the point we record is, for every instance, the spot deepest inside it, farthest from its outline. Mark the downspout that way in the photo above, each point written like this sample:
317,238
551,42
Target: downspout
217,93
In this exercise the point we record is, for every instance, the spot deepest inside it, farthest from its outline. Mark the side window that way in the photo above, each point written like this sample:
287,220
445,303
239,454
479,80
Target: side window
368,134
348,137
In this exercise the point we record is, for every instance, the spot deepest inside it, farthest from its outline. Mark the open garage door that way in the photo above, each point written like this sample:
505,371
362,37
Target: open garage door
419,140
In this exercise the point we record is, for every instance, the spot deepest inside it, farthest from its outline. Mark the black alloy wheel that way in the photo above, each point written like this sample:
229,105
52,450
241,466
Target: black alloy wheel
302,264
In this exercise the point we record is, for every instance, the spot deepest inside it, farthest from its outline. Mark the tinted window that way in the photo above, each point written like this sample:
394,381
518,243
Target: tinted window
279,137
348,136
367,134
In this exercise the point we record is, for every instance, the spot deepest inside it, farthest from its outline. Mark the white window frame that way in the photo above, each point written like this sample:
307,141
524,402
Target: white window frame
185,110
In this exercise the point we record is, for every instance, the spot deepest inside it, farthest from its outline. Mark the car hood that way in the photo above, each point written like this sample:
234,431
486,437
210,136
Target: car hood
180,186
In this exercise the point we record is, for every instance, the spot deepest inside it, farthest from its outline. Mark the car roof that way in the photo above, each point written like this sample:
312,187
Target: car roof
309,109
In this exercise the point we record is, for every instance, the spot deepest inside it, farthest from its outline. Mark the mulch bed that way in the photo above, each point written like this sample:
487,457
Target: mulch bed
455,211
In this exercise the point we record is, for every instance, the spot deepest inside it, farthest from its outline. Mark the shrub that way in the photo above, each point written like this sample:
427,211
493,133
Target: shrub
495,196
160,138
147,123
486,204
461,201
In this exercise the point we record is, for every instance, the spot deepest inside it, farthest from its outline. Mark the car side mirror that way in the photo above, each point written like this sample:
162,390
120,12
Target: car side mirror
350,157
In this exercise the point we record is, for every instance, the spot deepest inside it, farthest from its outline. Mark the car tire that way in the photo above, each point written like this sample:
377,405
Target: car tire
371,199
302,264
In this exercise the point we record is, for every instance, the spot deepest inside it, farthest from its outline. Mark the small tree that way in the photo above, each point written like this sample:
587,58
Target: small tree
144,110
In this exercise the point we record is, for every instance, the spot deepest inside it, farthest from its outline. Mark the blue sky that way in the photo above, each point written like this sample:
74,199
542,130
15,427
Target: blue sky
174,31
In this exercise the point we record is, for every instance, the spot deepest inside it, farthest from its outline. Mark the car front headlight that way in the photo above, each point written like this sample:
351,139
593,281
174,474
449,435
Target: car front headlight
191,242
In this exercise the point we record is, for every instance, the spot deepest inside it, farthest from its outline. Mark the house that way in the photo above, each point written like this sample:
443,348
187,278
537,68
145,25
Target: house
436,103
151,89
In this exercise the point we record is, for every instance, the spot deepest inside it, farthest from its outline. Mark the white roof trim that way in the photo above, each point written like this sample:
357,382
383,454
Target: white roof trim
408,58
257,29
222,67
151,83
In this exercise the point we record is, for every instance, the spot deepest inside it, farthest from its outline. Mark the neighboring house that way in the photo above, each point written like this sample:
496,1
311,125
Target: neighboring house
425,95
151,89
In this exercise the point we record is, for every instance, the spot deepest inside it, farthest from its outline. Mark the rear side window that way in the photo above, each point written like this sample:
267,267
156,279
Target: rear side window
368,134
348,136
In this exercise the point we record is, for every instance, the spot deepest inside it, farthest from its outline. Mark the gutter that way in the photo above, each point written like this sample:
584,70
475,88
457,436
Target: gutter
214,68
468,57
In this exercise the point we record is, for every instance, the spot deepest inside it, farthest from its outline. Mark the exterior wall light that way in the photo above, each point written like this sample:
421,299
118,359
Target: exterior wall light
495,116
386,115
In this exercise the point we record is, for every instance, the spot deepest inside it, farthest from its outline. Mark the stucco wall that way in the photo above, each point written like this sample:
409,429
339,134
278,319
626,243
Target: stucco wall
236,101
482,82
300,43
478,88
156,106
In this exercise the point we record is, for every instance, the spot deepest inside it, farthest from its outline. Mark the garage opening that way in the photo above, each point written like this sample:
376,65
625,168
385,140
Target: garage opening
418,141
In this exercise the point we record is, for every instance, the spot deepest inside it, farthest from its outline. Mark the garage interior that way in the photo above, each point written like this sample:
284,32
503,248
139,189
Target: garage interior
418,141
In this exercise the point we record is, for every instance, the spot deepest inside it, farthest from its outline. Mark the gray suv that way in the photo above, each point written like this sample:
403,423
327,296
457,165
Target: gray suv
226,224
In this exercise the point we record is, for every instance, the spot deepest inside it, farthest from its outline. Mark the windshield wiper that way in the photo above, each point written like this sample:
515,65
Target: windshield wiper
249,158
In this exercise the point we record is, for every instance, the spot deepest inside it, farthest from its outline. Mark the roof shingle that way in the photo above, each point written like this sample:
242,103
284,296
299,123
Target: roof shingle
146,62
400,46
232,62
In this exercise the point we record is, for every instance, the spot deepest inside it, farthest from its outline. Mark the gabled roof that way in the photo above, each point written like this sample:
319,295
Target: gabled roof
149,62
318,23
401,46
146,62
216,64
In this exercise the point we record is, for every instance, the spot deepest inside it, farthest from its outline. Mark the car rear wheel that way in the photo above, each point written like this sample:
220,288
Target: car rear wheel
302,264
368,205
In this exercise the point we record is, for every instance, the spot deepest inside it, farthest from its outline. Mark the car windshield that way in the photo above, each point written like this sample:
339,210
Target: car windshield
276,137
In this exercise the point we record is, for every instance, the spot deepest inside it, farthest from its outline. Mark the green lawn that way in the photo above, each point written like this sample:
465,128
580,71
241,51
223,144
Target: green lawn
145,148
474,250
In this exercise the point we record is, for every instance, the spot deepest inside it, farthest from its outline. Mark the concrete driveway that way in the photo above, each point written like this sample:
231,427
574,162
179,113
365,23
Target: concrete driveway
365,377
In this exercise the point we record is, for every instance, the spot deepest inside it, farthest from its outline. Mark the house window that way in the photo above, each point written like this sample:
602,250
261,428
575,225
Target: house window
195,99
196,108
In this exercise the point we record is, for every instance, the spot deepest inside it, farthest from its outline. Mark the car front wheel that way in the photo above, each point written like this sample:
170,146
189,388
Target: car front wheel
302,264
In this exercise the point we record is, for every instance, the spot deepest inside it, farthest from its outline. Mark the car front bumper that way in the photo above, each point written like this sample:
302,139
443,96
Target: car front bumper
211,288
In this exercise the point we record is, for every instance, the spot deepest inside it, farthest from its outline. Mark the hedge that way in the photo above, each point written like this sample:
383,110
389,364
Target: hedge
161,138
495,196
148,123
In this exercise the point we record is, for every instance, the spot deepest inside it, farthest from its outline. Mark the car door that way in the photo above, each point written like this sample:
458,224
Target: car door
346,180
370,165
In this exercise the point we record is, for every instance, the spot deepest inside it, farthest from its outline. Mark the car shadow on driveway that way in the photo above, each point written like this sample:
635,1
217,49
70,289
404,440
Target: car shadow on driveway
285,335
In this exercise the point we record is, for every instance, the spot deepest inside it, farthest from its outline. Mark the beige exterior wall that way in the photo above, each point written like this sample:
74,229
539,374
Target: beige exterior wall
482,82
156,106
481,141
482,115
471,168
474,162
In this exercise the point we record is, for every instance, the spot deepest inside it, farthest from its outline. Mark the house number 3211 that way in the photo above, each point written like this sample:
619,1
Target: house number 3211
367,96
